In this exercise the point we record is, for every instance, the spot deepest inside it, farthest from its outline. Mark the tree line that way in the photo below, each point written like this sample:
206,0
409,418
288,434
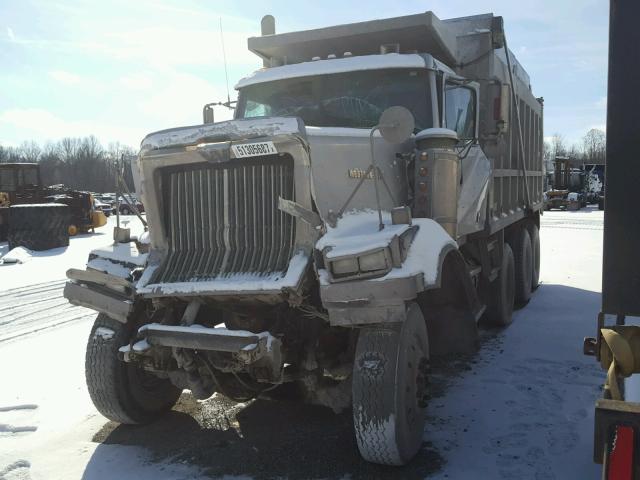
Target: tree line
592,150
78,163
84,164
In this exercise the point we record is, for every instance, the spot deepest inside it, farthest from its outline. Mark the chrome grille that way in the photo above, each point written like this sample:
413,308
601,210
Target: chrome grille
224,219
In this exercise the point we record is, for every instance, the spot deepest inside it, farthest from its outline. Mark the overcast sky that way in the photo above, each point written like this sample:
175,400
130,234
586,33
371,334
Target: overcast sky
121,69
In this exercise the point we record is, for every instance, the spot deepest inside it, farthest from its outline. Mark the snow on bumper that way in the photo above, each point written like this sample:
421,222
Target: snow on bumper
238,284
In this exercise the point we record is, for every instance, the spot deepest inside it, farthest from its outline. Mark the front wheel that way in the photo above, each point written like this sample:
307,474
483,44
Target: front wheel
390,389
121,391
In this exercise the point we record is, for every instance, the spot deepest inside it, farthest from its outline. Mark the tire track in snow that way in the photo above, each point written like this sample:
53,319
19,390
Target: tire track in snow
35,308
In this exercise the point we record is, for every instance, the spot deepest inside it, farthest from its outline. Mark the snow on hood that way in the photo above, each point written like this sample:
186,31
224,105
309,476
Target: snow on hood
223,131
122,253
430,242
357,231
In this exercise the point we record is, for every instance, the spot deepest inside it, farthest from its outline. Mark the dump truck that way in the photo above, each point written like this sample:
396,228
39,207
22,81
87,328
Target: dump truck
31,215
374,200
616,345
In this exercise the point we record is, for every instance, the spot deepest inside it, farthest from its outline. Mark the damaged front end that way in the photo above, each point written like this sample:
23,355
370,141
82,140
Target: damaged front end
216,299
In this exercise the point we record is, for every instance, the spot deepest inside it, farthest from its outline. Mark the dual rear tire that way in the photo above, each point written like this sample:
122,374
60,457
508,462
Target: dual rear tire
518,277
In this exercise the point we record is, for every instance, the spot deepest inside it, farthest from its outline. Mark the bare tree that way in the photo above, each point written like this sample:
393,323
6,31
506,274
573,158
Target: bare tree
594,143
30,151
558,146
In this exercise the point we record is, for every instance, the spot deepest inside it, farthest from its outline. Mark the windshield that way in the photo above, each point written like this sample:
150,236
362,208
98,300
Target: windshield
353,99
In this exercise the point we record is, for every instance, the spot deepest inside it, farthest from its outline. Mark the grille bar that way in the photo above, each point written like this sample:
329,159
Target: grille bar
224,219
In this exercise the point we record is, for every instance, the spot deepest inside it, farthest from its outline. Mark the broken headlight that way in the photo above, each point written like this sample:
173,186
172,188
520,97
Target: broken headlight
369,264
376,262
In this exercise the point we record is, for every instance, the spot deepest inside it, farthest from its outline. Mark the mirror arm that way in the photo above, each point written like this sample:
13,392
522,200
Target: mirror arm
375,176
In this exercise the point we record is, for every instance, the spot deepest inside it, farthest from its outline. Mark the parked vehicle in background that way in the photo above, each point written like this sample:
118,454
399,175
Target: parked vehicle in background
106,208
109,198
36,225
367,207
568,187
127,202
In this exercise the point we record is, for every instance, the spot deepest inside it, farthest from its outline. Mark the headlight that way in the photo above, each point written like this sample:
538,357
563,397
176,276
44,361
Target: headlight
375,262
372,262
344,266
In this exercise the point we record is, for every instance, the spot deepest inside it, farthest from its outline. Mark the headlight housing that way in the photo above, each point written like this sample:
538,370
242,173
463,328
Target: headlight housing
372,263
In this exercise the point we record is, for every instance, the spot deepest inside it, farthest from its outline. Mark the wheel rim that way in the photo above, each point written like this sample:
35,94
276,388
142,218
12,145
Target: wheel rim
73,230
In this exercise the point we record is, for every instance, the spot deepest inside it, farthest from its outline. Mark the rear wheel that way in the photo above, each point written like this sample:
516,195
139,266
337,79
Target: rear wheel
520,243
121,391
534,234
390,388
501,292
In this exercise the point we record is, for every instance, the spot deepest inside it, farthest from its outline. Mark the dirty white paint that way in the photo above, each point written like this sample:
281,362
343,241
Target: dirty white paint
244,128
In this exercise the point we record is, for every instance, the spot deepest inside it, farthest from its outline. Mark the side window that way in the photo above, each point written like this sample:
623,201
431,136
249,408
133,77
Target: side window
256,109
460,110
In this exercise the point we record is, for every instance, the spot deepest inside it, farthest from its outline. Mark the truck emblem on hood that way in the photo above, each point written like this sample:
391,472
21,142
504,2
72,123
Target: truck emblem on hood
360,173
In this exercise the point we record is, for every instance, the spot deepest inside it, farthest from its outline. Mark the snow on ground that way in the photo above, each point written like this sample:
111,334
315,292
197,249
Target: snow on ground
47,419
525,409
521,408
51,265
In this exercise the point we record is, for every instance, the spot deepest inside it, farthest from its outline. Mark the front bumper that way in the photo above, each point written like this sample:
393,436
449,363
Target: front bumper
370,302
96,296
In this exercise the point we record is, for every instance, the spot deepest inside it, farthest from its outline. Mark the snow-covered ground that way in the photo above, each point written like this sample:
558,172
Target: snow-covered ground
521,408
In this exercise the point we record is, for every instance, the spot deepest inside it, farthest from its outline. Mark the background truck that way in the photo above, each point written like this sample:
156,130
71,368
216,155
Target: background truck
617,341
31,213
376,196
568,187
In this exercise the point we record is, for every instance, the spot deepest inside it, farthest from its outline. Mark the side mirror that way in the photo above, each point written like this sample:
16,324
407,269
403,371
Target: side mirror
207,113
396,124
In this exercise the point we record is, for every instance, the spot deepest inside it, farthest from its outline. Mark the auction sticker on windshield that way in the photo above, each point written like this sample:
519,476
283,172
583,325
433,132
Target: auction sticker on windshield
254,149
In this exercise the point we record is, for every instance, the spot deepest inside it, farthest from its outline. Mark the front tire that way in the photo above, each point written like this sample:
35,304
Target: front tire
389,389
121,391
